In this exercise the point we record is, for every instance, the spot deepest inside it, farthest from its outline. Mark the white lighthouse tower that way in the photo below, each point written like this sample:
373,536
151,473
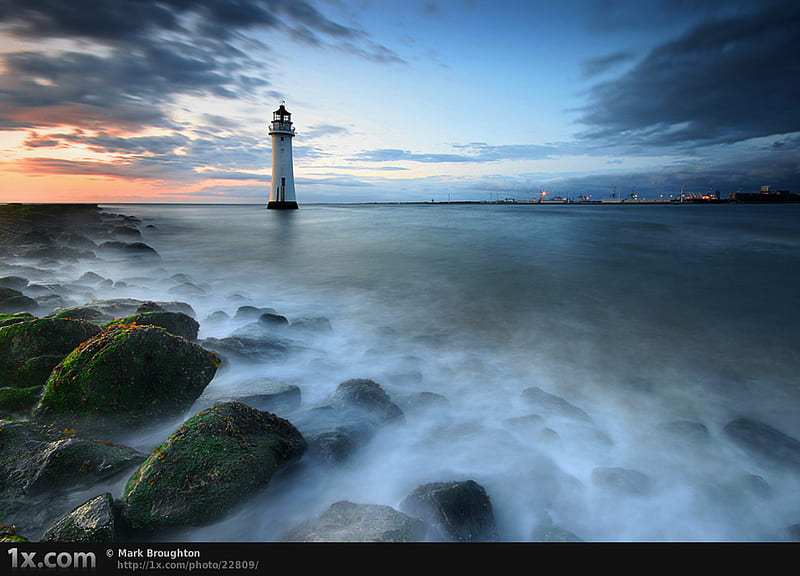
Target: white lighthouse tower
281,194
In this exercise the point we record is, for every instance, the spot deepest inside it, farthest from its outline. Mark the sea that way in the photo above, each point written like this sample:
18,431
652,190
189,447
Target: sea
659,323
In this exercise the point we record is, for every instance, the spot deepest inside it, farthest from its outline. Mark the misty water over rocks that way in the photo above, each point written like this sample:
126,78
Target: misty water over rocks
581,363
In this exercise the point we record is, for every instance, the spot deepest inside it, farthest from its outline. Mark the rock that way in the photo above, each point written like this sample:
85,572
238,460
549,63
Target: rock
261,348
355,412
793,532
13,301
368,397
764,443
90,278
552,533
346,521
92,521
554,404
121,307
187,289
312,325
214,462
18,401
423,402
454,511
82,313
6,319
32,348
217,316
9,534
273,320
621,480
251,313
36,459
270,395
120,249
13,282
686,430
331,446
176,323
126,376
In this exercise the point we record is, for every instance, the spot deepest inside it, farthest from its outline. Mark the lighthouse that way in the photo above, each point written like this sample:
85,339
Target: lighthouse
281,194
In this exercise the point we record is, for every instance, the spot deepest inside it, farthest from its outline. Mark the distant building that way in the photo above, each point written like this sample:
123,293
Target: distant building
765,195
281,193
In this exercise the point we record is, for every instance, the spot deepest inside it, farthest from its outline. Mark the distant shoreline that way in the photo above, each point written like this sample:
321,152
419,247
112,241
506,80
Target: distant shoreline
436,203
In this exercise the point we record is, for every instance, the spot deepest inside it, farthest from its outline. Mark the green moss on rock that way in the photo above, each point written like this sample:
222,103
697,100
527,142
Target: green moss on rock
126,376
212,463
18,400
92,521
32,347
177,323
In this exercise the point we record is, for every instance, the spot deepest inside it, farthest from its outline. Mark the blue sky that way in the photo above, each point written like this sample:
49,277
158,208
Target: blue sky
417,100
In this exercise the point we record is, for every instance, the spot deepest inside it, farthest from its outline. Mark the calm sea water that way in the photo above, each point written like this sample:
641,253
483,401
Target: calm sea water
639,315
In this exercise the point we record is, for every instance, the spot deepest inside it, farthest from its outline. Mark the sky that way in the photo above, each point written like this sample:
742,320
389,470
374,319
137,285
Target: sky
169,101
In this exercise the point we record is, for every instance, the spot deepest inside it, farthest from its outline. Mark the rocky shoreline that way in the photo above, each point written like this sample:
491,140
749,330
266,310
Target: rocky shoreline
81,374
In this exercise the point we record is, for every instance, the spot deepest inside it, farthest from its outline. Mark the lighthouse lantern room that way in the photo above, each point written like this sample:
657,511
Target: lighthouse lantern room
281,194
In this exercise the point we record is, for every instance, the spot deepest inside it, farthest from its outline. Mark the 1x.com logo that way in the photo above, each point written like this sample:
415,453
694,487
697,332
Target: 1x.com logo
21,559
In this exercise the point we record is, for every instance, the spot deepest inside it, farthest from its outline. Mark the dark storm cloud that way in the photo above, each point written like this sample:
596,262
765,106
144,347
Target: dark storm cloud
602,64
140,55
726,80
91,91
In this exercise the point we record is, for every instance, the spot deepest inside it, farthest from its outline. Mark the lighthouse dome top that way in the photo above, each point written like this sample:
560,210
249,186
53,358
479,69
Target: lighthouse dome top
282,115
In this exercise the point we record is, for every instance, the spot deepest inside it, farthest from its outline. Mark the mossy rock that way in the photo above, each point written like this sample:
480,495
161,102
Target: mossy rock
82,313
36,460
18,400
92,521
177,323
126,376
6,319
32,348
214,462
9,534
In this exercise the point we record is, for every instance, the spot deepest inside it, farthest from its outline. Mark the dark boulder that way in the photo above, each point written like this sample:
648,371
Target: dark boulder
269,395
115,248
121,307
16,402
92,521
369,398
764,443
13,301
36,460
453,511
177,323
32,348
81,313
126,376
213,463
6,319
350,522
256,348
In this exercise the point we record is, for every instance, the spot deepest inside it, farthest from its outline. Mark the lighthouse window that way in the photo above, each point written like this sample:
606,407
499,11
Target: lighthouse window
281,138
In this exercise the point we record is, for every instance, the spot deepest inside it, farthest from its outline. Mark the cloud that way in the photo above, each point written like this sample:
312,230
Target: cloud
726,80
130,60
601,64
477,152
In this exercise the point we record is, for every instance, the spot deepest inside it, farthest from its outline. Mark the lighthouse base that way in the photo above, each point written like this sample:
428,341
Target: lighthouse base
275,205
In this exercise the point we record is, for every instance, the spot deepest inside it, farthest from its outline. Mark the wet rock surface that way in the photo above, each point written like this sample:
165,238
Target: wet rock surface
212,463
